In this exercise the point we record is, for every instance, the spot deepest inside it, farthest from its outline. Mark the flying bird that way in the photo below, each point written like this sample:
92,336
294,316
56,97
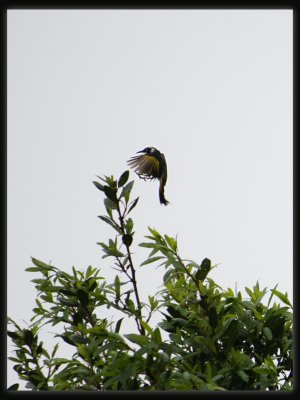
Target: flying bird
151,165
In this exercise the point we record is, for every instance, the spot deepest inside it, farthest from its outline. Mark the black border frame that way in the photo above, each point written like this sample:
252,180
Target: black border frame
82,5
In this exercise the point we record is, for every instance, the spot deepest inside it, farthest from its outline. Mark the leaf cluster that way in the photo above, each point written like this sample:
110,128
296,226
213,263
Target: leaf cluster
208,338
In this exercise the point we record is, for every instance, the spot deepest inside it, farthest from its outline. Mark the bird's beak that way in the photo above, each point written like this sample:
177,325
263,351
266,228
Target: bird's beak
141,151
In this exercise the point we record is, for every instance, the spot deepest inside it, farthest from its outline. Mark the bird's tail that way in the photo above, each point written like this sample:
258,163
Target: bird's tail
162,198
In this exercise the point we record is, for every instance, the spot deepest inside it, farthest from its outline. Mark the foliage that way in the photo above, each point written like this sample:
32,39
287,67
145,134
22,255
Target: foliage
208,338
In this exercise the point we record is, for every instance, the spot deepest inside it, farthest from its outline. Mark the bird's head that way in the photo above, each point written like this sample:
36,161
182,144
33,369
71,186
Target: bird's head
148,150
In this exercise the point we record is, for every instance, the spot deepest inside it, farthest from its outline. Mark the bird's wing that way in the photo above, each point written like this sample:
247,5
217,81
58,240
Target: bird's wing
145,165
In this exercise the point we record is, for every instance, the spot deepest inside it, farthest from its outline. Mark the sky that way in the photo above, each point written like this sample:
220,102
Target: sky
211,89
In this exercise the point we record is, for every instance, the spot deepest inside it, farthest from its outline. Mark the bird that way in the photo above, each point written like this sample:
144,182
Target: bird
151,165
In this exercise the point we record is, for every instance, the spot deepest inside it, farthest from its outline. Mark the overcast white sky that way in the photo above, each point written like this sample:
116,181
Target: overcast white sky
211,89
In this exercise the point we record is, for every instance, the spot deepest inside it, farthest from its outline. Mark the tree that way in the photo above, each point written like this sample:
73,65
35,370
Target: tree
215,338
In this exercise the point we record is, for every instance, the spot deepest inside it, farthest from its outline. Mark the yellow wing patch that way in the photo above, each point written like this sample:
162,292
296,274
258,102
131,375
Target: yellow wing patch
145,165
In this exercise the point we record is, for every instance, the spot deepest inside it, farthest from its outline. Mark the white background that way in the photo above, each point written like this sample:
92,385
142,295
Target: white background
211,89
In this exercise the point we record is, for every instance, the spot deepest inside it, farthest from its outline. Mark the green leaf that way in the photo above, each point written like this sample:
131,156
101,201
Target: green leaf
269,302
110,193
32,269
151,260
268,333
15,360
123,179
249,292
110,250
208,371
93,286
64,275
13,335
202,273
230,292
117,287
89,271
15,386
147,245
109,206
153,303
164,357
128,226
180,322
171,242
67,292
133,204
83,297
193,264
79,339
130,305
231,331
167,277
98,186
152,252
98,330
248,305
28,337
116,336
126,191
118,325
282,297
243,375
155,234
138,339
38,281
111,182
59,361
186,377
42,265
110,222
146,327
157,336
261,370
54,350
68,302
